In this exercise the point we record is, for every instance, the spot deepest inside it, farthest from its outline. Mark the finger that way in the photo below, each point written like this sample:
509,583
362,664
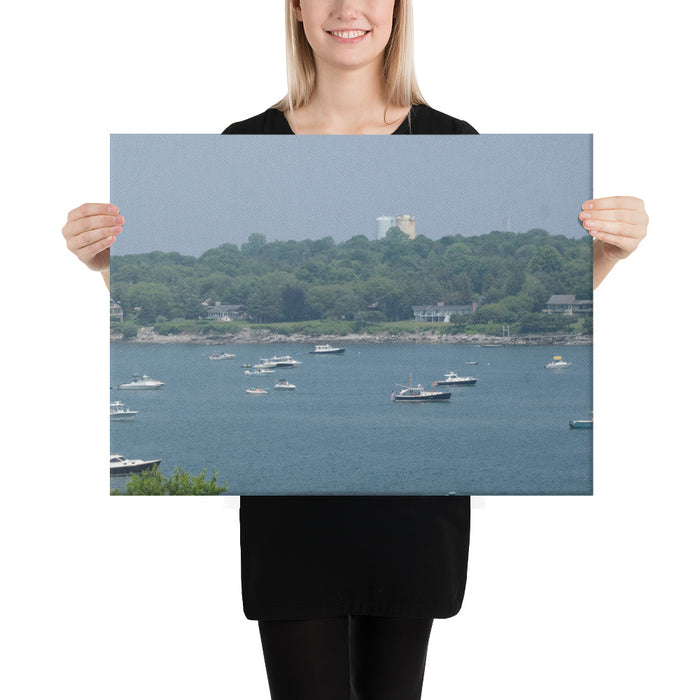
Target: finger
78,243
614,203
617,228
91,223
92,210
628,216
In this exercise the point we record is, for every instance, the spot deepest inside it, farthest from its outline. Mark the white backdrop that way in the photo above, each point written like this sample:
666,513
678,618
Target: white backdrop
566,597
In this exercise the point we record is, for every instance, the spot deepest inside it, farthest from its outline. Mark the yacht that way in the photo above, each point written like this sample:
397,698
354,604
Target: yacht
282,384
117,411
142,382
417,394
557,363
221,356
120,465
581,423
452,379
283,362
326,350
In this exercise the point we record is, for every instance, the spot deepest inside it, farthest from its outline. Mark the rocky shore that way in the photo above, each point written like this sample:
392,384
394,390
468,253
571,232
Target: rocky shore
248,335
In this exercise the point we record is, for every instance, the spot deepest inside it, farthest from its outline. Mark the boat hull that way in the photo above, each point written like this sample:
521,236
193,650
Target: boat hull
126,469
140,387
125,416
430,398
581,424
459,382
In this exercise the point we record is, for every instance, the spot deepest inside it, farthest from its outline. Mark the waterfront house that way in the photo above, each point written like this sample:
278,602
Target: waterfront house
568,304
440,313
116,313
226,312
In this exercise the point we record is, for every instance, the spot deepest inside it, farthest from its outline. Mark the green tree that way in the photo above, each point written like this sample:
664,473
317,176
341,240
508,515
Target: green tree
546,259
149,300
396,233
293,303
256,242
151,482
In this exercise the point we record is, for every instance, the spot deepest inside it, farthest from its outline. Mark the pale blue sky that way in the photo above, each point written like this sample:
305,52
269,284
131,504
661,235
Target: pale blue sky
189,193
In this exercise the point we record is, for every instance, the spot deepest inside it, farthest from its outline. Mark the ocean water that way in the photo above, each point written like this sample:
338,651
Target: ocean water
339,432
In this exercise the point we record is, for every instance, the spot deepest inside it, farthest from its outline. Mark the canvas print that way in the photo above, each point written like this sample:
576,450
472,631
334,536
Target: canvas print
351,315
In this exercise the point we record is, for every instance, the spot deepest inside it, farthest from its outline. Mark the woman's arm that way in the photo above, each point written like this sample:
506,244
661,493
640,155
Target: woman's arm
90,230
618,225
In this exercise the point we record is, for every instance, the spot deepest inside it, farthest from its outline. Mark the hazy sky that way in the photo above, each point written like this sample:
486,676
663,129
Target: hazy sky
189,193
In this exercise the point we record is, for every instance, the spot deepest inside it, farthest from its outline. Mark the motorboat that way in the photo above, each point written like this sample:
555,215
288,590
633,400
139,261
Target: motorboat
255,372
284,362
557,363
121,466
142,382
282,384
417,394
256,391
452,379
119,412
326,350
221,356
581,423
585,423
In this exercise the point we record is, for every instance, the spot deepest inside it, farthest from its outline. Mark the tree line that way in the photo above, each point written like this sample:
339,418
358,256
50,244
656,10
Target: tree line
509,276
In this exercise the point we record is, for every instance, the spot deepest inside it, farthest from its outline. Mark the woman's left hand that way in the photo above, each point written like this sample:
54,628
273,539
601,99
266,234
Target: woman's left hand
619,223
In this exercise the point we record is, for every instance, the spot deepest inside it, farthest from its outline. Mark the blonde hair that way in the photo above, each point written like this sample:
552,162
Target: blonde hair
400,84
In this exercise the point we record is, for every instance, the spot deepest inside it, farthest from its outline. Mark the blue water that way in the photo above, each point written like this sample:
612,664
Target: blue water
339,432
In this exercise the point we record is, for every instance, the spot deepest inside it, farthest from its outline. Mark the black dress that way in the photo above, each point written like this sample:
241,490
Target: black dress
306,557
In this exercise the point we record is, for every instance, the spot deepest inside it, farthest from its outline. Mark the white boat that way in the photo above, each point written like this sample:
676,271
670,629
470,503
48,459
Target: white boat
282,384
557,363
283,362
221,356
255,372
120,465
257,391
452,379
581,423
585,423
117,411
326,350
417,394
142,382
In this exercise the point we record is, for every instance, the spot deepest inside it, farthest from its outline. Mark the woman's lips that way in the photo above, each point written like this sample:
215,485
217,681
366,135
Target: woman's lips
348,36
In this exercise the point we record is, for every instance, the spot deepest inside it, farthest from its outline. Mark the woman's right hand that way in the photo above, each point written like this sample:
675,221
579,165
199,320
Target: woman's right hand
90,231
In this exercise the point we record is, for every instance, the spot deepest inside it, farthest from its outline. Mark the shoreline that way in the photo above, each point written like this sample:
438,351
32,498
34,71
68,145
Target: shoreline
248,336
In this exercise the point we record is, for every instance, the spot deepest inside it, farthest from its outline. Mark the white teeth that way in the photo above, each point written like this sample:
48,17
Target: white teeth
349,35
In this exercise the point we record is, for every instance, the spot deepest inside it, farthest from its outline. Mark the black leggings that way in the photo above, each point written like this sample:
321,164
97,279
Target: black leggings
345,658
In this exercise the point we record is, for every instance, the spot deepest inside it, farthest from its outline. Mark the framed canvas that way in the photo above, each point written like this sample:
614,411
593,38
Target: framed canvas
352,315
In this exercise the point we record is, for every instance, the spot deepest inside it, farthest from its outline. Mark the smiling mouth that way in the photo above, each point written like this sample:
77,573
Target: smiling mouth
349,34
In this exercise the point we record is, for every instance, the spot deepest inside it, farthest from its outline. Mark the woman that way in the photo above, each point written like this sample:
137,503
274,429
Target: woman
345,588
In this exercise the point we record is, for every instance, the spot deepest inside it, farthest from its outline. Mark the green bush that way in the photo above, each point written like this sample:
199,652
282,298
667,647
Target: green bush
151,482
129,329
